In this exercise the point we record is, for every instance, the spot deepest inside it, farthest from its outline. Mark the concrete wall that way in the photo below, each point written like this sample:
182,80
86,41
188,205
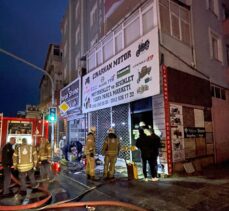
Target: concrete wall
203,19
220,117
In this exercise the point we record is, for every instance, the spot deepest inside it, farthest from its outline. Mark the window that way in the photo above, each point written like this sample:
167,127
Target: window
99,57
77,10
213,6
65,72
65,49
225,12
148,23
118,33
218,92
131,30
164,16
77,58
93,15
118,43
77,35
215,46
175,21
227,54
56,51
174,13
65,26
108,48
92,61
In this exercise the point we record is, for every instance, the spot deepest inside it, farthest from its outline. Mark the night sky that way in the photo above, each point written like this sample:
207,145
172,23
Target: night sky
27,27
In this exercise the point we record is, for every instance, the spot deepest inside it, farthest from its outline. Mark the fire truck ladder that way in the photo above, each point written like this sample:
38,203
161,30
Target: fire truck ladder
1,123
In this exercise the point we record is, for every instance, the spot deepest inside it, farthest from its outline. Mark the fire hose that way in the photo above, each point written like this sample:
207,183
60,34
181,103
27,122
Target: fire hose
67,203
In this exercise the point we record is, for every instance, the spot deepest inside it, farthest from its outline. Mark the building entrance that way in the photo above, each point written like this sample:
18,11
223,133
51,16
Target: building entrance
141,111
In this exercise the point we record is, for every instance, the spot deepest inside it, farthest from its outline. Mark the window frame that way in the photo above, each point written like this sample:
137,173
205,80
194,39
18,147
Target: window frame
218,56
213,7
181,20
117,31
77,33
93,14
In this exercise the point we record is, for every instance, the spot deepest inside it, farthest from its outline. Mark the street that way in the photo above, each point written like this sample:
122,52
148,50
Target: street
207,190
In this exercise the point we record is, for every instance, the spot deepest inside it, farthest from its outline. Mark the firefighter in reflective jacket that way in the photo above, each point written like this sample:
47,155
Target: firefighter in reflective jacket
25,161
110,150
44,156
90,153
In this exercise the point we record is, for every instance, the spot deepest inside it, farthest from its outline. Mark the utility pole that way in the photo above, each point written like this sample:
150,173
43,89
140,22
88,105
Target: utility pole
52,85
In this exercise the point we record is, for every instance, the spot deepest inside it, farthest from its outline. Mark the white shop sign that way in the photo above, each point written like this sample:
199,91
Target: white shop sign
130,75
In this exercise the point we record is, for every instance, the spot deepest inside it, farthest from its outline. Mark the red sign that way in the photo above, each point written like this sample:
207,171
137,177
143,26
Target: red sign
167,118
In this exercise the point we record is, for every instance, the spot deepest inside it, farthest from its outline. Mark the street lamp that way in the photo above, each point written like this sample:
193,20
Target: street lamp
46,73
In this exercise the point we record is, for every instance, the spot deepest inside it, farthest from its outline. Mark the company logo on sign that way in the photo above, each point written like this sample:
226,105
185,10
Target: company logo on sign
142,46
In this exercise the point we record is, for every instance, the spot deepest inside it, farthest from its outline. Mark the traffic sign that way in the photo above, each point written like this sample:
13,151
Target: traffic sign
64,107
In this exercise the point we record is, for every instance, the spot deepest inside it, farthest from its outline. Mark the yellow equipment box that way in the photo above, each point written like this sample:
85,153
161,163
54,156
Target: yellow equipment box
132,171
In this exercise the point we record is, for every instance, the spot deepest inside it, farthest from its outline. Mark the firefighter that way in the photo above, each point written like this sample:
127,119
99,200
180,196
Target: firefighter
110,150
44,157
90,153
25,161
7,162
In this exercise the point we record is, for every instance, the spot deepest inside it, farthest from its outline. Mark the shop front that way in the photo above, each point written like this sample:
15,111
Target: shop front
124,91
190,120
71,114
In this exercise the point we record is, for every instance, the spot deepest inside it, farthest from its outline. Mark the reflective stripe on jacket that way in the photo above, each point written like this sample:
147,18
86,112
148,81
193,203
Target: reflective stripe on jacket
25,157
111,147
44,151
90,144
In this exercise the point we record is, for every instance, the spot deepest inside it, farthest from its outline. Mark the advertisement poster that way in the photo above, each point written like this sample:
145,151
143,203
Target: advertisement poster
177,132
131,75
199,118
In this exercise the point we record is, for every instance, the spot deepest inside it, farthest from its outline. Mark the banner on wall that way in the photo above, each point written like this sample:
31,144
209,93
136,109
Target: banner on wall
131,75
177,132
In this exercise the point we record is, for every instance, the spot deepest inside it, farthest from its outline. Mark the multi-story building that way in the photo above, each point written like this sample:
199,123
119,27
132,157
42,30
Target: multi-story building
53,68
158,61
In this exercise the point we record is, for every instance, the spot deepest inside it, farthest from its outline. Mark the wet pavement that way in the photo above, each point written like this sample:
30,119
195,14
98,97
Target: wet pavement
206,190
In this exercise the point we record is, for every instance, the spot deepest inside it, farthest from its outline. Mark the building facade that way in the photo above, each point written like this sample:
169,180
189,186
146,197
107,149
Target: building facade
163,62
53,65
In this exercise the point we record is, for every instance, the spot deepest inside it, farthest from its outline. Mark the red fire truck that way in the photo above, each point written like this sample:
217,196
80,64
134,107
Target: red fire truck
30,128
